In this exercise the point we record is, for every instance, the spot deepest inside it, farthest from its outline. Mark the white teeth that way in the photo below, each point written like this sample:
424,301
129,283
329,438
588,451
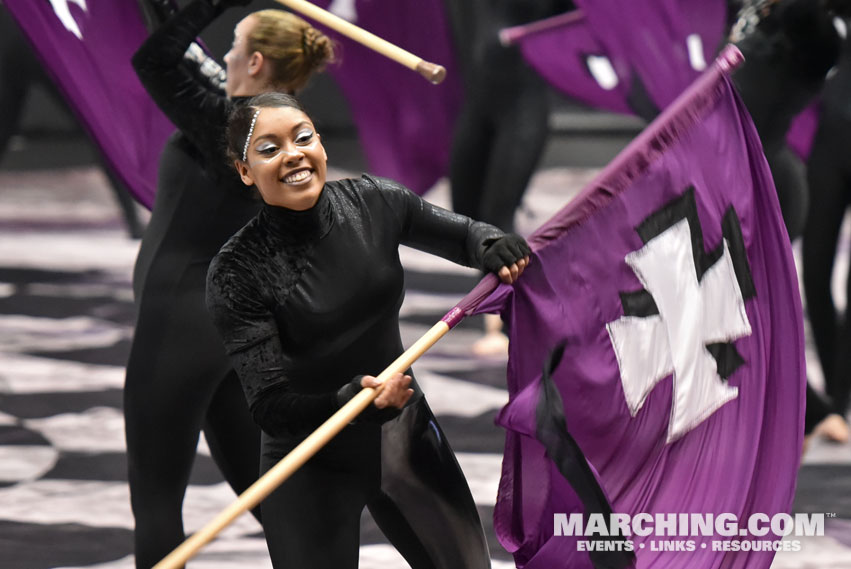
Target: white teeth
297,177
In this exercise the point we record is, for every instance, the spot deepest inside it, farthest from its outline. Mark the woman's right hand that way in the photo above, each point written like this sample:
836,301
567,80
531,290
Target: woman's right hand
395,393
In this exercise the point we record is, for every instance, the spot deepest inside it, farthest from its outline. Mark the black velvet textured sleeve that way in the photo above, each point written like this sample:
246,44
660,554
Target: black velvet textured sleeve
197,108
435,230
252,341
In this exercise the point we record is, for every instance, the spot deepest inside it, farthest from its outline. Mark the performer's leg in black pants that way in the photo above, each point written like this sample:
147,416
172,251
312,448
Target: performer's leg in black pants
471,151
497,145
178,381
839,387
816,410
790,182
829,190
521,134
312,520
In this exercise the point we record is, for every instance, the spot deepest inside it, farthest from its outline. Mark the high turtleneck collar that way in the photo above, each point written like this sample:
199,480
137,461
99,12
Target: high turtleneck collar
295,226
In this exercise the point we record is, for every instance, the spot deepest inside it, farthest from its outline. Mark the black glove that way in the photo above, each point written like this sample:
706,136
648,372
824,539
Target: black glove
156,12
224,4
504,251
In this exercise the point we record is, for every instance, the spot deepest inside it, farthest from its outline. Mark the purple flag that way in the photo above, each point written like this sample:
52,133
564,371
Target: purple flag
86,46
671,279
666,43
404,122
596,55
566,53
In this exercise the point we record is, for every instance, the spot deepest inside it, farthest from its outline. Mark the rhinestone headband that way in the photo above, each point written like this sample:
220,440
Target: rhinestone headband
248,138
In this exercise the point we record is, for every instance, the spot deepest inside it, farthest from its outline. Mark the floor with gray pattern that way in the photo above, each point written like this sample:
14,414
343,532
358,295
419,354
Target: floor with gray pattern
66,320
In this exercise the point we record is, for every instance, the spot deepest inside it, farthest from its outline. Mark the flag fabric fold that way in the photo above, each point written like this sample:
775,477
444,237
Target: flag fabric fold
671,282
404,123
86,46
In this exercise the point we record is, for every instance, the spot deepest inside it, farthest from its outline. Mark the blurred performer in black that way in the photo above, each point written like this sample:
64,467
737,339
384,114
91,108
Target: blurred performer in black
789,48
501,132
829,180
179,380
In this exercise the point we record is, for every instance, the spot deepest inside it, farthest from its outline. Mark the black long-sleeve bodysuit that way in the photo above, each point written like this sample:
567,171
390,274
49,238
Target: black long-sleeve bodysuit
179,380
305,301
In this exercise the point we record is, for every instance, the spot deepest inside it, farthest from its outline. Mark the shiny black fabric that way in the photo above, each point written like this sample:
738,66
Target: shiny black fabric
179,379
404,472
304,302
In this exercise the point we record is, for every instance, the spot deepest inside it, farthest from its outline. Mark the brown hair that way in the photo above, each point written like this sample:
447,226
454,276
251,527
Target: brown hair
241,117
295,49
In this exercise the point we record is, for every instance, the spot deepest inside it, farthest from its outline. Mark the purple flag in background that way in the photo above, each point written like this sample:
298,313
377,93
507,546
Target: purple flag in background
86,46
568,55
404,122
596,55
671,279
666,43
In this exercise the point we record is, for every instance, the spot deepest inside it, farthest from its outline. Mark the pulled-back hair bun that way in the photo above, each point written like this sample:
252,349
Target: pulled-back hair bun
318,48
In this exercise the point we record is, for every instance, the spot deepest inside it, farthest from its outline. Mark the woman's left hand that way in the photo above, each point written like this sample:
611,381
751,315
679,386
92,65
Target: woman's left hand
508,257
509,273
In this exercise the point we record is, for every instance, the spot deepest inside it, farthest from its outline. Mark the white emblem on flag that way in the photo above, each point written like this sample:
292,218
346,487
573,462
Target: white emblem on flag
346,9
63,12
692,314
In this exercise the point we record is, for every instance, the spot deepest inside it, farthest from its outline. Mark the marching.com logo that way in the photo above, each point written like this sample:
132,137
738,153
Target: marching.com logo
688,531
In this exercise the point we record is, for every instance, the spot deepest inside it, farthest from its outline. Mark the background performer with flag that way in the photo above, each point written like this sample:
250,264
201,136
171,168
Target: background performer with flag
306,296
178,379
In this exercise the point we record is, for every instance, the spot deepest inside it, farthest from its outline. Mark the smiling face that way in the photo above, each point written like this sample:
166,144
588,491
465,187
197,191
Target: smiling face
285,159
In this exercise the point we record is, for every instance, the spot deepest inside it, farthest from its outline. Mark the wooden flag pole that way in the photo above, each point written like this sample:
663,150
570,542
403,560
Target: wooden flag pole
431,71
276,475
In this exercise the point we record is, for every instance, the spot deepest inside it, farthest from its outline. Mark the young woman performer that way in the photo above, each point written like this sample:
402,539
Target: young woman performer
179,380
306,297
